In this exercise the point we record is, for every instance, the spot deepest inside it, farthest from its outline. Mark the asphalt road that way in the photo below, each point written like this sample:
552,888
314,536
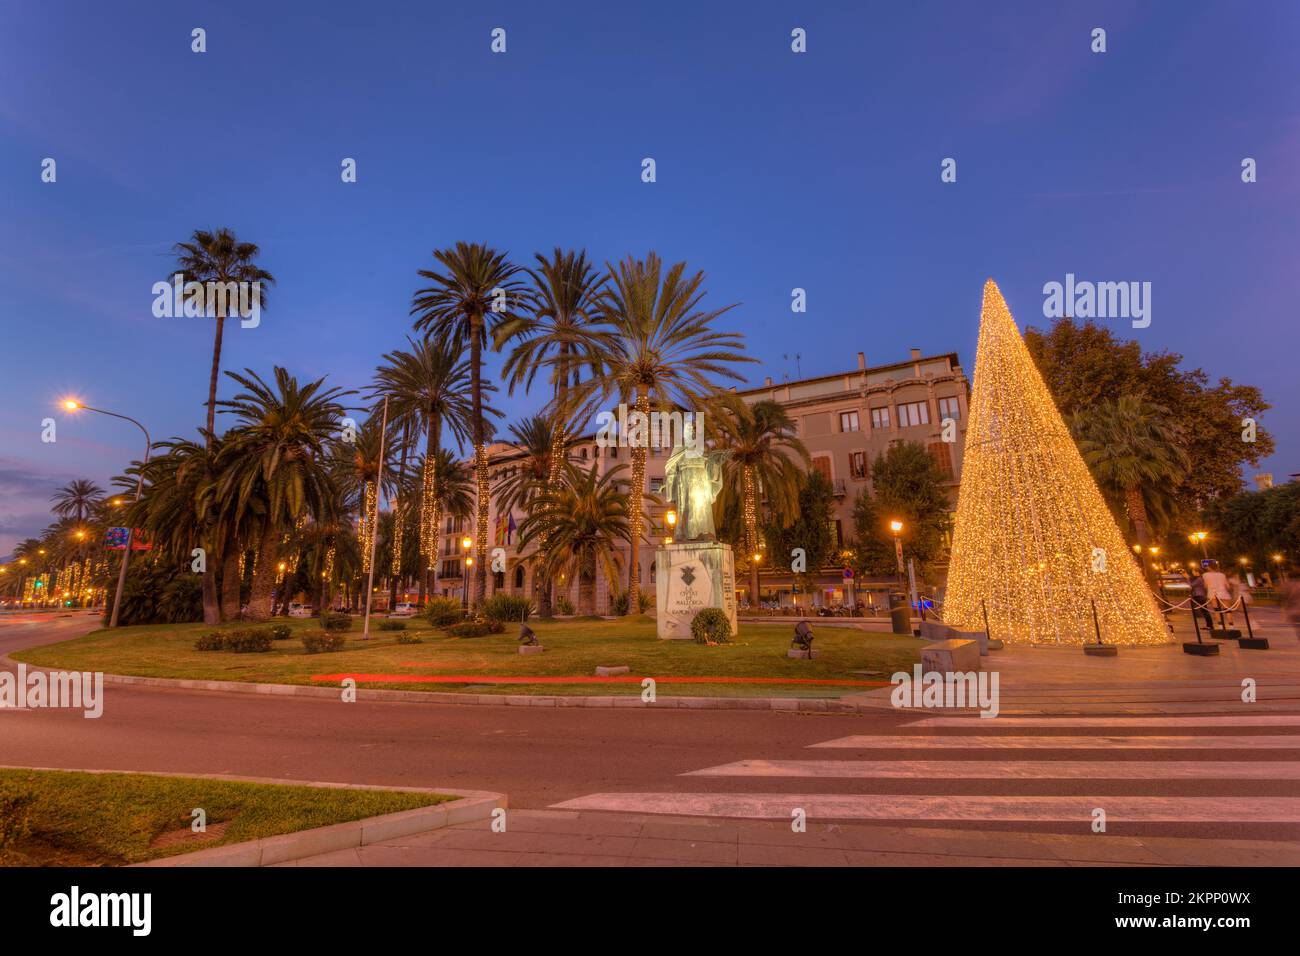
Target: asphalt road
542,756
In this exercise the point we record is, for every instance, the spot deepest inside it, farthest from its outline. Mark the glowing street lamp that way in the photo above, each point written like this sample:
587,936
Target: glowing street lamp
72,405
1199,536
896,527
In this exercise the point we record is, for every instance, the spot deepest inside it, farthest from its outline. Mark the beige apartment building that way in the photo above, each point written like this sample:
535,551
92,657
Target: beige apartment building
845,420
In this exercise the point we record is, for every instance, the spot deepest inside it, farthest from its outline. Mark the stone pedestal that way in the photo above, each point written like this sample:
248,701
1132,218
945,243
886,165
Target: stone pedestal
531,649
689,577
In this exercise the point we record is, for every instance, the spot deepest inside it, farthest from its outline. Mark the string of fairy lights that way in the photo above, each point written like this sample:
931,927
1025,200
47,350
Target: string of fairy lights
1035,545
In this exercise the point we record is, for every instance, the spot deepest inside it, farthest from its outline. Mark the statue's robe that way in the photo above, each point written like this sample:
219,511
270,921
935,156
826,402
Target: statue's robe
693,480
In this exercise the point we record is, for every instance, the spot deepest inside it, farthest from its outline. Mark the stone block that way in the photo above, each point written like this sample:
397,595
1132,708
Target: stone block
531,648
610,670
1200,650
950,657
801,655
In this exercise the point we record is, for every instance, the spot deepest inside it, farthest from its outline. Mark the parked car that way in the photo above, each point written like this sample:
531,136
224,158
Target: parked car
299,610
405,609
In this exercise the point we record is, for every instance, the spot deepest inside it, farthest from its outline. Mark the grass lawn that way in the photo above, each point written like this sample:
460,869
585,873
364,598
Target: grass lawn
573,649
111,819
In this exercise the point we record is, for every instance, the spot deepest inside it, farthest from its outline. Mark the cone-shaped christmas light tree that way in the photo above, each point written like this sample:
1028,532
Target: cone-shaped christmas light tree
1034,540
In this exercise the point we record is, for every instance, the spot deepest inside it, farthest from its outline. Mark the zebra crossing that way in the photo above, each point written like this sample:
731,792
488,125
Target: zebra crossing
1059,770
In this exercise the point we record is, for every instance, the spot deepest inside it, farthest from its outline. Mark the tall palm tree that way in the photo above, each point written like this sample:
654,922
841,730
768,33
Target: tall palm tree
663,351
77,499
475,293
219,257
427,387
582,519
764,449
1134,448
277,470
532,439
564,331
353,467
452,492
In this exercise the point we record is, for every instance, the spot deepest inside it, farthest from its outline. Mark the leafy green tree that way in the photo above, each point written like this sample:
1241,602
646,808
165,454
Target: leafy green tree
1259,526
812,529
908,487
1085,364
1134,450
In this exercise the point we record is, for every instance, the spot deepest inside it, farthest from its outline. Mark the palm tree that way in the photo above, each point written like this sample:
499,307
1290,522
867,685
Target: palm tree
532,439
427,388
277,471
564,331
763,445
451,494
353,467
1134,448
463,308
77,499
219,257
662,352
581,519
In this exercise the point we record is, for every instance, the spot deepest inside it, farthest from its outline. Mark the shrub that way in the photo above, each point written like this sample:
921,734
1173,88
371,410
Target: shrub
442,611
336,622
507,608
409,639
280,632
563,606
711,626
323,642
391,625
248,640
15,817
211,641
476,628
646,601
618,604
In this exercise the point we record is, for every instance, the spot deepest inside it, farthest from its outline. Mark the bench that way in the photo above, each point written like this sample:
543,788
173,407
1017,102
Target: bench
950,657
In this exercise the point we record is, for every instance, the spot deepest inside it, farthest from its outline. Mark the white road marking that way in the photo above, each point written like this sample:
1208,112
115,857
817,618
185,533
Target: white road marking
1098,742
984,723
906,807
1010,769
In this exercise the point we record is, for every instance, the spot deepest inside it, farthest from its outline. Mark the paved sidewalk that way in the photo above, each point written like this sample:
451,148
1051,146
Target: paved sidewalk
568,838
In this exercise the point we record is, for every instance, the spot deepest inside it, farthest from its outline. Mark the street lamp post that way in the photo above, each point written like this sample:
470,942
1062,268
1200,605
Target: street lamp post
1200,536
896,527
465,544
72,406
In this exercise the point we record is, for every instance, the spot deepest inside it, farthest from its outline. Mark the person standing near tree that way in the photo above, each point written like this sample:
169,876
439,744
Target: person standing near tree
1217,590
1199,598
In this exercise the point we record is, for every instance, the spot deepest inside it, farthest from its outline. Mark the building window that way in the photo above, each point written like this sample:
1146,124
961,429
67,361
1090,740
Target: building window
880,417
941,452
913,413
949,408
858,464
519,577
848,421
613,451
584,454
823,464
498,580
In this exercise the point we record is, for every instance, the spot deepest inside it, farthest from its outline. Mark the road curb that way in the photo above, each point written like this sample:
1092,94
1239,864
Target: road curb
286,847
785,704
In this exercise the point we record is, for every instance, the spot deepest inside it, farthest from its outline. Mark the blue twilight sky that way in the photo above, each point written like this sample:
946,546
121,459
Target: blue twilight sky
775,170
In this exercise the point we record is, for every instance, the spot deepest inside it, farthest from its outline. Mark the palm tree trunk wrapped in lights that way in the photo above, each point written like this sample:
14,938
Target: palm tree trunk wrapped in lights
636,510
366,524
1034,540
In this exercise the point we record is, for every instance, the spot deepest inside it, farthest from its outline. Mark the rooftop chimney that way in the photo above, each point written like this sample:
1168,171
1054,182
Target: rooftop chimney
916,354
767,380
862,361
